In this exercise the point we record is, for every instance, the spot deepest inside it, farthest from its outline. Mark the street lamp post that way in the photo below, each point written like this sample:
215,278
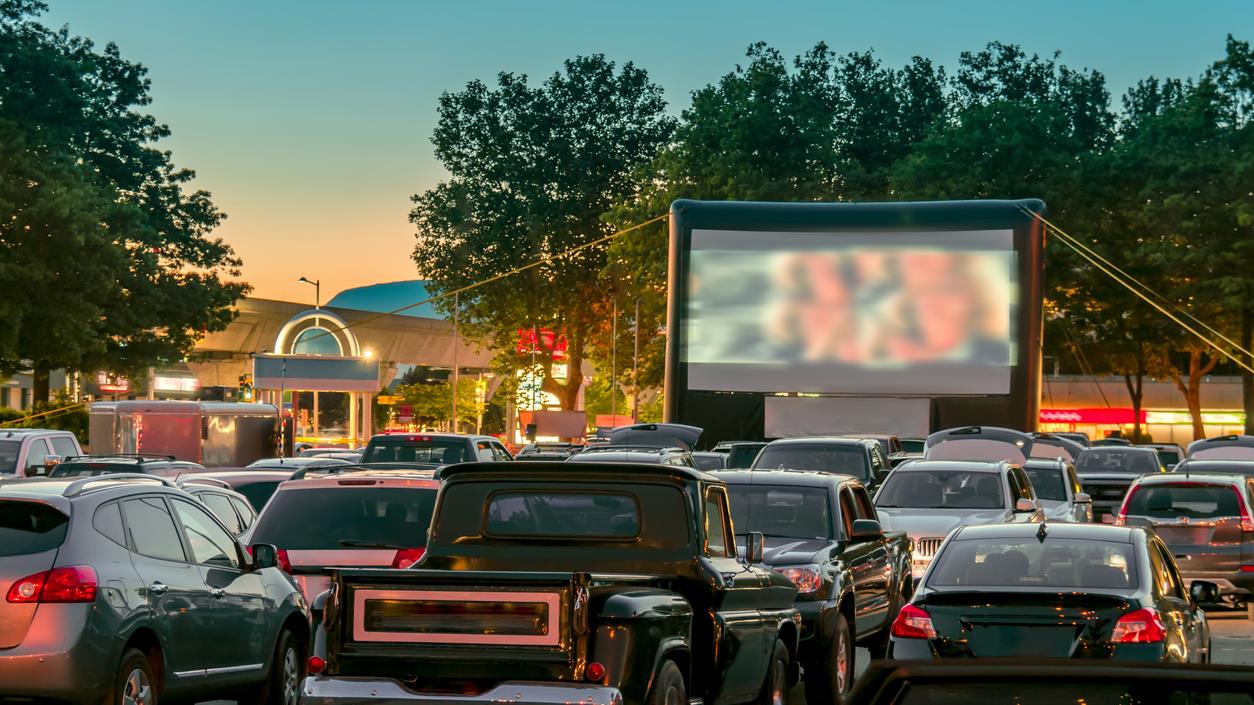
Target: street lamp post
317,285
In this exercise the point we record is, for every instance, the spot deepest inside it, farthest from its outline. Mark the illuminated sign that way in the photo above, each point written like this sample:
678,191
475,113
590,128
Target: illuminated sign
1219,418
112,384
531,340
162,383
1090,416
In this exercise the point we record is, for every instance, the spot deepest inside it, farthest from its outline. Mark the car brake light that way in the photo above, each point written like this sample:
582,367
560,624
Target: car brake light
75,583
315,665
913,623
406,557
285,564
595,672
1143,626
1247,569
1121,517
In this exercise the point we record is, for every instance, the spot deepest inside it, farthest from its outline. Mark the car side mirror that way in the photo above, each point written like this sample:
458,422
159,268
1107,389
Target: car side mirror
866,530
1083,498
50,462
265,555
1204,592
1024,506
755,546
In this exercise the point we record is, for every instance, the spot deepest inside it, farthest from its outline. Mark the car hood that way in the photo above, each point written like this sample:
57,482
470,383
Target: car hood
936,522
781,551
1056,510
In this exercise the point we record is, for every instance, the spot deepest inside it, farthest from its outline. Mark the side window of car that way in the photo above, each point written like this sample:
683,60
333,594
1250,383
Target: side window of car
847,512
863,504
1020,486
63,446
483,452
718,530
1074,480
877,465
36,454
246,514
220,505
210,544
152,530
1173,586
499,452
108,521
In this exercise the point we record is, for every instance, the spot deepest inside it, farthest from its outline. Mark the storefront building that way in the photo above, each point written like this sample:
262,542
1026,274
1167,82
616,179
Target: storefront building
1099,406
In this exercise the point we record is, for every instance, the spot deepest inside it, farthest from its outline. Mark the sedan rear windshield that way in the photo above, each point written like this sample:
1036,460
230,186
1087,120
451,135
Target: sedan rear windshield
845,459
30,527
1195,501
1052,563
563,514
1048,483
1130,461
942,489
444,451
781,511
329,518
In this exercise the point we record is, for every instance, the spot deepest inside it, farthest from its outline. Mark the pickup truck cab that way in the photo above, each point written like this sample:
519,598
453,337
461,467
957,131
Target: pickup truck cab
861,457
31,452
821,531
547,583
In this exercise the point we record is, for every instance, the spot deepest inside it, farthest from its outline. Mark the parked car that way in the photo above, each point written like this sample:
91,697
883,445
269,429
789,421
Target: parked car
1169,453
823,534
1110,441
1055,447
337,452
709,461
230,507
438,448
634,454
1205,520
352,517
30,452
1077,436
929,498
1078,591
862,458
548,451
913,446
1234,467
255,485
297,463
123,589
740,454
1106,473
1222,448
1058,488
503,601
95,465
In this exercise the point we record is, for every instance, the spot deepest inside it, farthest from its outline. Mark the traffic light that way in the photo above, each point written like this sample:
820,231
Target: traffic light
246,387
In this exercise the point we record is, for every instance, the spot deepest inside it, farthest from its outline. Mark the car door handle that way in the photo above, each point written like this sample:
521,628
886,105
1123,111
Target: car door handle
158,588
218,593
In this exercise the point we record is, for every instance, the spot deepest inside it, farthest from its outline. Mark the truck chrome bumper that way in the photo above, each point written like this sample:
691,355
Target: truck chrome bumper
342,690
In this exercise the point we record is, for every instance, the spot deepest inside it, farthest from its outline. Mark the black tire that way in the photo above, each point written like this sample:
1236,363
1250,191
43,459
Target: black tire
135,683
668,686
287,669
775,686
829,679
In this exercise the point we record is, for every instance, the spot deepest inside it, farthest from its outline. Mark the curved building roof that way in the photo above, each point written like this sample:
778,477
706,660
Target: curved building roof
387,297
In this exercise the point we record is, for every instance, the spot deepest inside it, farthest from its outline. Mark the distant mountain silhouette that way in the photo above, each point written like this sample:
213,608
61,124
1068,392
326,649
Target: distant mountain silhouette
387,297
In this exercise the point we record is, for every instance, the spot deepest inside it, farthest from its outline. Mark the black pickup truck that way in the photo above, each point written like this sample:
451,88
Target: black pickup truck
822,532
553,583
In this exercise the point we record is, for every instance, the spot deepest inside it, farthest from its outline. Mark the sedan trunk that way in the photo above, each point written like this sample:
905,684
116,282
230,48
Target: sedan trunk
1025,624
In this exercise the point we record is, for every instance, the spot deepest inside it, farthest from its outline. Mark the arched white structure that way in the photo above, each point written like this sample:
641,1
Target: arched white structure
321,319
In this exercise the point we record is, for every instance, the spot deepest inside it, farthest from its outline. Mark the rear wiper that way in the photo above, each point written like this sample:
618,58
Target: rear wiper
355,543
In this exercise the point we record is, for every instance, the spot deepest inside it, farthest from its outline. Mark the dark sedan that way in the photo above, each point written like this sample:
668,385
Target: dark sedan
1055,591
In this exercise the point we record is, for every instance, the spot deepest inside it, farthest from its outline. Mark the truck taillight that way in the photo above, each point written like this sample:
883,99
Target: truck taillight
75,583
406,557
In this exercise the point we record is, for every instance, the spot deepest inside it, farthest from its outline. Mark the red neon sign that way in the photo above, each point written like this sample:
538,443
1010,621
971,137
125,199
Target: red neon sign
1117,416
546,341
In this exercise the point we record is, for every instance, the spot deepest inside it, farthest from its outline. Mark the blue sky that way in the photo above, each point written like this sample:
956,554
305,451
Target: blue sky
309,120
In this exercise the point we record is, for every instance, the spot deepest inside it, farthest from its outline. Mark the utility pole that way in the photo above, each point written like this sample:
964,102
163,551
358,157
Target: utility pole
456,376
635,371
614,365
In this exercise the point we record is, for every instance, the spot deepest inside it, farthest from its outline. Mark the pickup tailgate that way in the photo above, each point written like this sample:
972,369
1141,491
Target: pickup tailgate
443,630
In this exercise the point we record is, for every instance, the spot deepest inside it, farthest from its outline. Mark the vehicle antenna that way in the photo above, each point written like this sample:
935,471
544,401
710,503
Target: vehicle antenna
1042,532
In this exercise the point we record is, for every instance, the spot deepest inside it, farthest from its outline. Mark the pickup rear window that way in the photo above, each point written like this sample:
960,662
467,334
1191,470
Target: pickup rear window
406,449
30,527
563,514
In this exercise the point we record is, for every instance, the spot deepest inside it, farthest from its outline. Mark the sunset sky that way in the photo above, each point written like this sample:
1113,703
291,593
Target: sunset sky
309,121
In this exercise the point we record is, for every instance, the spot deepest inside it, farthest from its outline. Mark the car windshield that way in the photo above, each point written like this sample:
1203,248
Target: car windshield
849,459
384,516
1169,456
8,456
1195,501
781,511
913,445
444,451
942,489
30,527
1117,460
1049,483
259,492
743,455
1047,563
708,462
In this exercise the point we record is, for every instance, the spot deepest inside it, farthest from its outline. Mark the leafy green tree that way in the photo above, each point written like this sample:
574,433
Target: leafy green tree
107,259
531,171
433,403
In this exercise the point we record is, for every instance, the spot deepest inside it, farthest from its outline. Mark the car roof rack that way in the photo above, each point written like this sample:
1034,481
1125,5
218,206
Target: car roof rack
323,470
78,487
207,481
138,457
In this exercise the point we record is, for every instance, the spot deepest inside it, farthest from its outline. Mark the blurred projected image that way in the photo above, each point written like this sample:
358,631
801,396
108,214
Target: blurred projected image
935,317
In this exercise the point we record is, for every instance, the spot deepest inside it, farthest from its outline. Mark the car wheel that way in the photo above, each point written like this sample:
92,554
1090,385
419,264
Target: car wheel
668,686
832,677
282,684
775,688
134,684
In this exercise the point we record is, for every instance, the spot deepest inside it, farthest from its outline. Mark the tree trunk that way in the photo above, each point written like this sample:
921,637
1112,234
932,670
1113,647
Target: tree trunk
1247,378
1192,389
574,373
40,384
1136,392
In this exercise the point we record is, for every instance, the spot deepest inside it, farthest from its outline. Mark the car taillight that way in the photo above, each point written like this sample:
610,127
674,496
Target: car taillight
75,583
1121,516
315,665
913,623
406,557
1247,520
285,564
595,672
1143,626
